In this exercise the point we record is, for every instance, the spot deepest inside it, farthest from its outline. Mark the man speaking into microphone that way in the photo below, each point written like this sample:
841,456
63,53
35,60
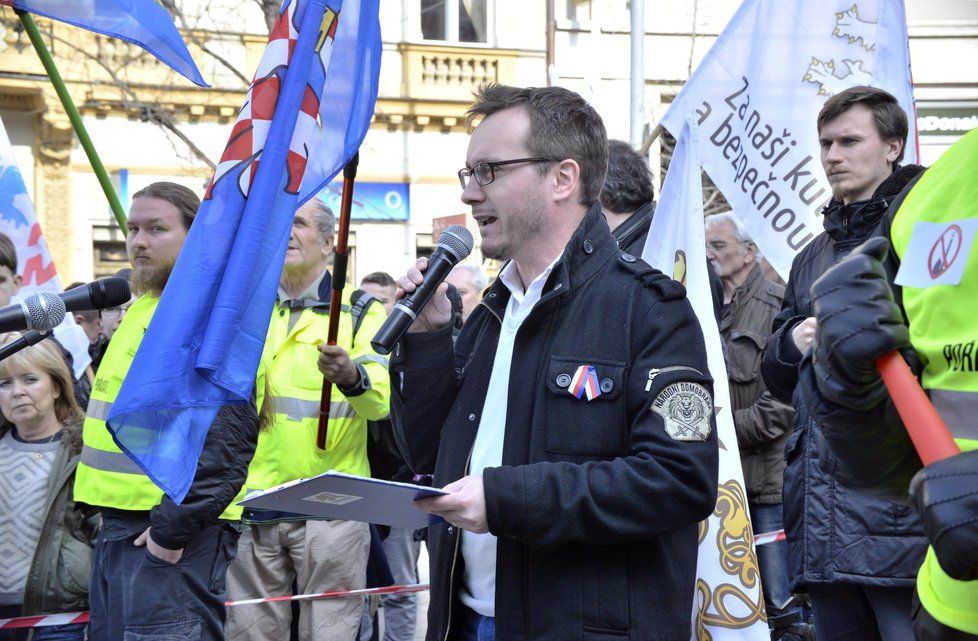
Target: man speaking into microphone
572,421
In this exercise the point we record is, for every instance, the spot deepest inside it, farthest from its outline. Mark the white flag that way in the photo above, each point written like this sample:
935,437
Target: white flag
757,95
34,263
729,603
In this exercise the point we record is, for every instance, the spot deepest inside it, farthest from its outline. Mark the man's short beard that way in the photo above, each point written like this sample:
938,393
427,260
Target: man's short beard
150,280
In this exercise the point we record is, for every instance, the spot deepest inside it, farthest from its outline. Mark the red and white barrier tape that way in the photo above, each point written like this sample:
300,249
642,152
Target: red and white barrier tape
45,620
769,537
65,618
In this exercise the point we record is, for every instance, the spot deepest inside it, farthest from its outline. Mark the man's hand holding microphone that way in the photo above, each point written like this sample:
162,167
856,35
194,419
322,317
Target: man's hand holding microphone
423,306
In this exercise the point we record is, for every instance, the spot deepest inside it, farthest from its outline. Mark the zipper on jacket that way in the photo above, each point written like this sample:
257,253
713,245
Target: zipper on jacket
458,544
655,371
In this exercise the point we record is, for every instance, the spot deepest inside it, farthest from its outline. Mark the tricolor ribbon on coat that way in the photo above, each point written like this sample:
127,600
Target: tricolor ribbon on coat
585,381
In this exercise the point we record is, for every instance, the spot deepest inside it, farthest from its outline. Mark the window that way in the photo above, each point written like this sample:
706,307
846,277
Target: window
109,250
454,20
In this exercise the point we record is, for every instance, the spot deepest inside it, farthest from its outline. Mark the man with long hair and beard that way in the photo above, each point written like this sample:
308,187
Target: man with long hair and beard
158,566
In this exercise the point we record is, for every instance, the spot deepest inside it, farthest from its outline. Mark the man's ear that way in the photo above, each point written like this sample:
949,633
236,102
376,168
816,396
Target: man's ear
567,179
17,281
751,252
894,147
329,245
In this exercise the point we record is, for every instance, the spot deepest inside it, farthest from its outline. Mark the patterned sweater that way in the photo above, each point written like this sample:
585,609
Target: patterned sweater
24,471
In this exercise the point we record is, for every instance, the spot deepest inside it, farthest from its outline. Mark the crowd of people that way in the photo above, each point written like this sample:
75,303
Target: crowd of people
566,407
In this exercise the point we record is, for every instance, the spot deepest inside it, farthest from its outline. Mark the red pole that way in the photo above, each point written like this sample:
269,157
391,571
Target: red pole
930,436
339,279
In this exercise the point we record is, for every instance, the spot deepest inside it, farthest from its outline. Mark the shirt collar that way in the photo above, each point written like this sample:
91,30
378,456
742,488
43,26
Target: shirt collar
511,279
311,293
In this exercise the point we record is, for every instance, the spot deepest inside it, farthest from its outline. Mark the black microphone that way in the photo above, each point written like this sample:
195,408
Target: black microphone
454,244
41,311
100,294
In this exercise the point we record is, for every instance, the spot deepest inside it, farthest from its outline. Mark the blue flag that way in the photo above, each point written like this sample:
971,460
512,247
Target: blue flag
304,117
142,22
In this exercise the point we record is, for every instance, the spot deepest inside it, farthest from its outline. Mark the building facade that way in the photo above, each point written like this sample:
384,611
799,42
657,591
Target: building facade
150,124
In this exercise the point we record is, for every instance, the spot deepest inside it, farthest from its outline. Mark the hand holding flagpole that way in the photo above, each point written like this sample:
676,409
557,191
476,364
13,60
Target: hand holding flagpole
339,279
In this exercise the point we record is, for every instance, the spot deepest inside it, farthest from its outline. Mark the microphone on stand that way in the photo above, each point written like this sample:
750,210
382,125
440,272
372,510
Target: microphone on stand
99,294
454,244
41,311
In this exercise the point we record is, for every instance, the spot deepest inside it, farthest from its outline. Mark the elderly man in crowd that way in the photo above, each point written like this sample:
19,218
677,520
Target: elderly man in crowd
750,303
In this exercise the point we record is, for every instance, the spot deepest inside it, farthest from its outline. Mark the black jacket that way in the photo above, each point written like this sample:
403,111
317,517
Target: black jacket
221,472
834,535
595,506
879,456
632,234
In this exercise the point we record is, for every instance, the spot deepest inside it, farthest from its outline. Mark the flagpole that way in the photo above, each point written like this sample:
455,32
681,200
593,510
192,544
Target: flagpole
651,139
76,122
339,279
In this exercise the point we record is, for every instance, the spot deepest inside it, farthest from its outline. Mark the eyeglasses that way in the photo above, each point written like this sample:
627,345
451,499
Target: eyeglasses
485,172
114,312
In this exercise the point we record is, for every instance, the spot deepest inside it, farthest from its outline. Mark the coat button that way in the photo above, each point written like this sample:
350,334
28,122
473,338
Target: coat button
451,529
588,247
628,258
471,417
607,385
563,380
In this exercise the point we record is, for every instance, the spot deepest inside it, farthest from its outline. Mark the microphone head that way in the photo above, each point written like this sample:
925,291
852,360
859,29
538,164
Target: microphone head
45,311
457,239
109,292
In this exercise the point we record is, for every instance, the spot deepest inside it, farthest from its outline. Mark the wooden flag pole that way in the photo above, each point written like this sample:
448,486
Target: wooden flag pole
653,136
76,122
339,280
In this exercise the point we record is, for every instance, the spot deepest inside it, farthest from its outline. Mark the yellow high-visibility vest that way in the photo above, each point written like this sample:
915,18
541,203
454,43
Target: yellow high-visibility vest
942,322
287,448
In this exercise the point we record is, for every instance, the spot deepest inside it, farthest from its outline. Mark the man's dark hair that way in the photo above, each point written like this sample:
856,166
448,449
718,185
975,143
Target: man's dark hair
628,183
183,198
8,254
562,125
888,116
383,279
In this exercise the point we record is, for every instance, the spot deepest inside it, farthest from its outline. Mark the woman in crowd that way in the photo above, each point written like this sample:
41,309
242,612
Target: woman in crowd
45,539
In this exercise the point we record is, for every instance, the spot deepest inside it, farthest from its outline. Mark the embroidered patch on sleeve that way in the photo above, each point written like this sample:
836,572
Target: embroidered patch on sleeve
686,409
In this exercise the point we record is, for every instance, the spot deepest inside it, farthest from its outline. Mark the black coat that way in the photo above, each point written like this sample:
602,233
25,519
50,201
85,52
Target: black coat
595,506
834,534
632,234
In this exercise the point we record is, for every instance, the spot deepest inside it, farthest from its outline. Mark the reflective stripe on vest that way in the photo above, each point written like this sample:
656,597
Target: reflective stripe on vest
373,358
959,411
296,409
108,461
98,409
942,323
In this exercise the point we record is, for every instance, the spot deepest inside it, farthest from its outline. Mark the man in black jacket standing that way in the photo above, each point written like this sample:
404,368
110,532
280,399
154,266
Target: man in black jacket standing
856,554
572,422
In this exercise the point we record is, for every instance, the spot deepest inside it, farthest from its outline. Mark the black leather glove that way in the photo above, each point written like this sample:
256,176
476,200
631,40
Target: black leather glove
946,496
858,321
